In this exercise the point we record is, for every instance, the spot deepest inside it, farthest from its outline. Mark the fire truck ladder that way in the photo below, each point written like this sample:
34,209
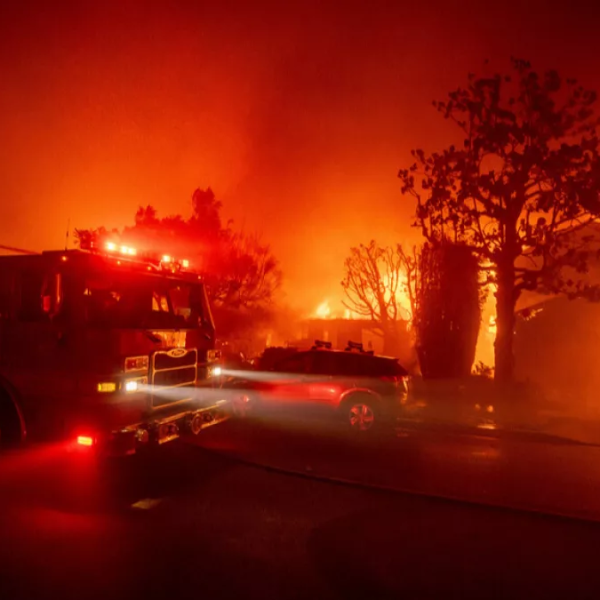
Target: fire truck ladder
17,250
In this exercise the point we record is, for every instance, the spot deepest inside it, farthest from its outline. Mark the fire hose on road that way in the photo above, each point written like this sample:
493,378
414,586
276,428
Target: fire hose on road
550,478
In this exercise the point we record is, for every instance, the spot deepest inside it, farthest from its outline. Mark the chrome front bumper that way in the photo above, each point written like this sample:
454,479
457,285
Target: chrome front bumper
157,430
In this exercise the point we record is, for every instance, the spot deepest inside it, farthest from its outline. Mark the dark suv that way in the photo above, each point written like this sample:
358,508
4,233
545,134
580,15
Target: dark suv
363,390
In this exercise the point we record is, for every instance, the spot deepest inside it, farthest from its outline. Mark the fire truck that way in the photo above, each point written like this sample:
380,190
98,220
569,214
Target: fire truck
109,347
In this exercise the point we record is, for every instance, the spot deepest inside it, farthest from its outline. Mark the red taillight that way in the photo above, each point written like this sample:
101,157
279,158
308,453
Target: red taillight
85,440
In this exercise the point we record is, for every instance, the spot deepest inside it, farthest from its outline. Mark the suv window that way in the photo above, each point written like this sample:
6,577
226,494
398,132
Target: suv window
374,366
366,365
299,363
325,362
271,357
347,363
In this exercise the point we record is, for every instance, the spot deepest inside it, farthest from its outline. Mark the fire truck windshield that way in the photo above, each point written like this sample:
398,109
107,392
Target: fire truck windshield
142,301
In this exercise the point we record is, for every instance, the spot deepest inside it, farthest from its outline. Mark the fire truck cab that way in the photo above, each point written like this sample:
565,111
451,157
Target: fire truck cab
107,348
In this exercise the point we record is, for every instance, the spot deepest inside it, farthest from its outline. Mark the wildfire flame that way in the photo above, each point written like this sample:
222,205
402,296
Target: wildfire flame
487,333
323,310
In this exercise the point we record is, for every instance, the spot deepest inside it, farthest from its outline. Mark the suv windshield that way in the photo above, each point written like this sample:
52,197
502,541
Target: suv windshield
116,300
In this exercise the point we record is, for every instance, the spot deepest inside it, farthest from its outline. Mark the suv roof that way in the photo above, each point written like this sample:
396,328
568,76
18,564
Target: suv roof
342,362
273,355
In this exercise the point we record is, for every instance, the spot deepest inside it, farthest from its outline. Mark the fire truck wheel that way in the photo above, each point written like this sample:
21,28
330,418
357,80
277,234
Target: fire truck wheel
10,422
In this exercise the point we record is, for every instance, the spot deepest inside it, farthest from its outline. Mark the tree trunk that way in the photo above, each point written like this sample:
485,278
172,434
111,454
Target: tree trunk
386,334
506,300
391,343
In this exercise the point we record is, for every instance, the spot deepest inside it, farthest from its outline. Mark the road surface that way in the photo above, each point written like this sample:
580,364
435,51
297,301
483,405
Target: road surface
196,522
518,470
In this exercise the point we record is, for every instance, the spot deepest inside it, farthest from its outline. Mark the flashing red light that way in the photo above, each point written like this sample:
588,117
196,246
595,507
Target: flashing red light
85,440
125,250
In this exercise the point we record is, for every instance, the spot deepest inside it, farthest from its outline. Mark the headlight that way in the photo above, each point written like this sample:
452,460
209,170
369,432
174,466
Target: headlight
133,385
216,372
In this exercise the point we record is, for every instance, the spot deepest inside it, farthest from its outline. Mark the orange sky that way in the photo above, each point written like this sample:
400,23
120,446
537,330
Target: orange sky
298,115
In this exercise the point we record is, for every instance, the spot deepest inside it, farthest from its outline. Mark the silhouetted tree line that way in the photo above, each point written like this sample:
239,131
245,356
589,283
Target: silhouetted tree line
517,190
240,271
510,205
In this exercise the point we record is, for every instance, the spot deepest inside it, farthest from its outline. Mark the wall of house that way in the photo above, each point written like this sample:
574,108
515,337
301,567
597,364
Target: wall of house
559,350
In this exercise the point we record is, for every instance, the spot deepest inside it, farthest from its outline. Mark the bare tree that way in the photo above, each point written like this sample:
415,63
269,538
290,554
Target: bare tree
374,276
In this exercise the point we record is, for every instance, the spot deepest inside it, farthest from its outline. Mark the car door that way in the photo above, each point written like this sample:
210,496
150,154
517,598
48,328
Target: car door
290,380
324,386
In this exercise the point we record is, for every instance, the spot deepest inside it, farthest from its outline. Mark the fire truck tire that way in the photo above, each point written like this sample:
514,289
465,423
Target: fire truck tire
12,426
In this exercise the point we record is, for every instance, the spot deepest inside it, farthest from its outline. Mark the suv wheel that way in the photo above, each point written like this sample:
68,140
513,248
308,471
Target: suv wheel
361,415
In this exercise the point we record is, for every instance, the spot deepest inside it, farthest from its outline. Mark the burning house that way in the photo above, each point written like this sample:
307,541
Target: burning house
330,327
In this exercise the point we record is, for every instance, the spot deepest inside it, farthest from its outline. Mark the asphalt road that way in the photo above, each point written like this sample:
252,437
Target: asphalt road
520,470
195,522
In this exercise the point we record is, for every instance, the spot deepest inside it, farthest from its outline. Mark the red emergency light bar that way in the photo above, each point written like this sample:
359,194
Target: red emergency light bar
92,242
125,250
164,262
